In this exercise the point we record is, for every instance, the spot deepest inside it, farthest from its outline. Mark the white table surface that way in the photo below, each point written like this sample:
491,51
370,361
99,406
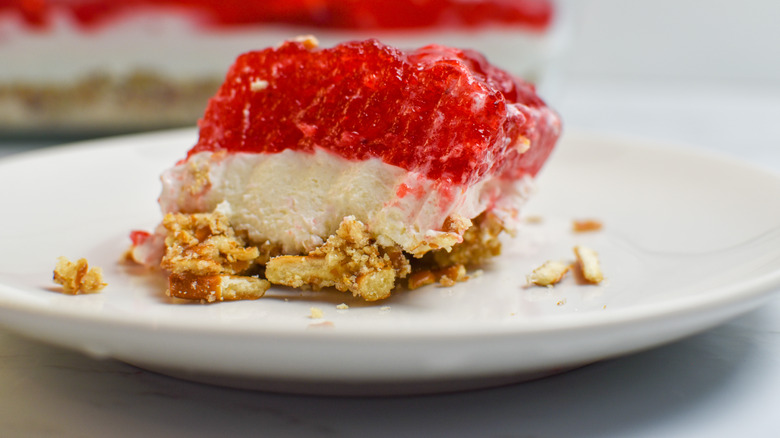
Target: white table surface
725,382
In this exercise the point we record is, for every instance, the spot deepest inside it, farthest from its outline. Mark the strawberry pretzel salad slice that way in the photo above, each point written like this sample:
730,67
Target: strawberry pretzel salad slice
352,167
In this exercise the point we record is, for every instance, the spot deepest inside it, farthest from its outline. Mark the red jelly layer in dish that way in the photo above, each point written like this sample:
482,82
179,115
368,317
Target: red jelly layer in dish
346,14
442,112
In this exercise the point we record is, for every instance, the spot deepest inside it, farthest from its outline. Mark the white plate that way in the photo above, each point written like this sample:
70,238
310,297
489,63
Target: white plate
690,240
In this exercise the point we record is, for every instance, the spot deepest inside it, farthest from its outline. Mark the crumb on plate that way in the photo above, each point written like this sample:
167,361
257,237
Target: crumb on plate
534,219
588,262
550,273
586,225
316,313
78,277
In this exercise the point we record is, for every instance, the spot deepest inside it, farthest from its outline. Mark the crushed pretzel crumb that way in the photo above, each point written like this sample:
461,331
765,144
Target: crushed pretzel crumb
550,273
78,277
204,244
309,41
445,276
480,243
588,262
209,260
452,274
211,288
586,225
349,260
533,219
421,278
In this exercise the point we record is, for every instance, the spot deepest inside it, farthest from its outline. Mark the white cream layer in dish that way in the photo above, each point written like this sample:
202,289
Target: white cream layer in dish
178,46
298,199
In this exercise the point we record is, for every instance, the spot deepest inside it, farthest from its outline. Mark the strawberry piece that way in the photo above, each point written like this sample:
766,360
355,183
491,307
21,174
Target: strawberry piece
138,237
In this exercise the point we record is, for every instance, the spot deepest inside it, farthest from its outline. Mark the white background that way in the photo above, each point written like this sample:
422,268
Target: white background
694,41
705,73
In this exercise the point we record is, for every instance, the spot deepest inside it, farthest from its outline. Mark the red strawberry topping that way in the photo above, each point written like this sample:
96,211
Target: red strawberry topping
445,113
347,14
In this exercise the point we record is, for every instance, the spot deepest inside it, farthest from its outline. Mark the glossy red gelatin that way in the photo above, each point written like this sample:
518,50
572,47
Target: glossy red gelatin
445,113
346,14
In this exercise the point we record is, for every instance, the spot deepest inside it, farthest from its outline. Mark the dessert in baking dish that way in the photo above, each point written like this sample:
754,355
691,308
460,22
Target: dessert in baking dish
94,66
353,166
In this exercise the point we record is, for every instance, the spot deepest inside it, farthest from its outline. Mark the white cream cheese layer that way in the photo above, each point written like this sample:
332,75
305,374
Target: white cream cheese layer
298,199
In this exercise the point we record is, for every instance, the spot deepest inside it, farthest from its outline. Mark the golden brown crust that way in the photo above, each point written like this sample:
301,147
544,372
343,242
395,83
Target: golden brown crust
452,274
445,276
421,278
350,260
209,260
480,242
78,277
212,288
205,244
